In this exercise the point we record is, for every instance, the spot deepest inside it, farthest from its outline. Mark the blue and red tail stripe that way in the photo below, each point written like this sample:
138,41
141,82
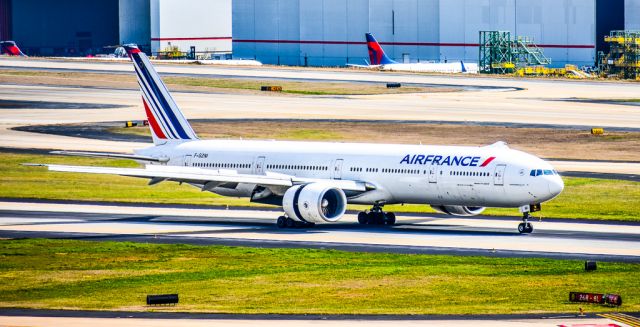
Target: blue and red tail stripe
165,118
376,54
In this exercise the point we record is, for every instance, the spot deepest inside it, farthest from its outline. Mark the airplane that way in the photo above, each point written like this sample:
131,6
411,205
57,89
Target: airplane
314,181
10,48
378,59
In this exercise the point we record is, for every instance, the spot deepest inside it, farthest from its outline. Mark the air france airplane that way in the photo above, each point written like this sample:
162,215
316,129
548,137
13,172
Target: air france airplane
378,59
314,181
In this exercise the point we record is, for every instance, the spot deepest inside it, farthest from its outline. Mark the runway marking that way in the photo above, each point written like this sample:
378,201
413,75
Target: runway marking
623,318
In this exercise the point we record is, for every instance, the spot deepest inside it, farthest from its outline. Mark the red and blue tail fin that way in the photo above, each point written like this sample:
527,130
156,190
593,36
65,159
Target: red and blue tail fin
10,48
376,54
166,121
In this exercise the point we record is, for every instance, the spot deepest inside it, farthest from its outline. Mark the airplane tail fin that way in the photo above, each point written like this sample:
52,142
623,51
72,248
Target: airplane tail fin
10,48
166,121
464,69
376,54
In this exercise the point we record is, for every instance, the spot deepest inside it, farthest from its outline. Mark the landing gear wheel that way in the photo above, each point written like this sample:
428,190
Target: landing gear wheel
290,223
281,222
376,218
390,218
525,227
521,228
363,218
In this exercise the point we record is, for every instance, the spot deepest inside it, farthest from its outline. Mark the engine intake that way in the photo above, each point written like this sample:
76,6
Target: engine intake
314,203
459,210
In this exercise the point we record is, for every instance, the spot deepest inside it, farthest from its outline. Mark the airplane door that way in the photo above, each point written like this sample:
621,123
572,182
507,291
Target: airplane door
433,177
498,177
187,160
259,168
337,169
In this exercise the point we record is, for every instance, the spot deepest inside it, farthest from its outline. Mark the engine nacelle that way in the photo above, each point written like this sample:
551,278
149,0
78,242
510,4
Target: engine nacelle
459,210
314,203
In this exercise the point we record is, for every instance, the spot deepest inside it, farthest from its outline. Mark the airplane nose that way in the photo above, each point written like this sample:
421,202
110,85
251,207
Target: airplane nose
556,185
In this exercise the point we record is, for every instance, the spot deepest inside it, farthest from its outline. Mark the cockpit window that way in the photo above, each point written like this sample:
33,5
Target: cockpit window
540,172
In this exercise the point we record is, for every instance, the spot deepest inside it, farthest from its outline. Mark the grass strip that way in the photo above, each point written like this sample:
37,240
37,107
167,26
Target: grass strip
586,198
301,88
69,274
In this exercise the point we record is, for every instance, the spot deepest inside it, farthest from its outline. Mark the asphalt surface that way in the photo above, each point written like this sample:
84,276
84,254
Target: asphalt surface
217,316
426,234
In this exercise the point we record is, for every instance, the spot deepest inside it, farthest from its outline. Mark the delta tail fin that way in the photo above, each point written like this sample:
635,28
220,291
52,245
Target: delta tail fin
10,48
376,54
166,121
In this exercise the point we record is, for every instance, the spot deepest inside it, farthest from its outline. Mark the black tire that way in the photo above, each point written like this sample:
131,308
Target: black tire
372,218
522,228
281,222
529,228
290,223
391,218
363,218
380,218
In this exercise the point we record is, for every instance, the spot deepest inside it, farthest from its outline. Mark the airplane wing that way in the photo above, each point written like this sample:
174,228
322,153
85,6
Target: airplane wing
110,155
160,173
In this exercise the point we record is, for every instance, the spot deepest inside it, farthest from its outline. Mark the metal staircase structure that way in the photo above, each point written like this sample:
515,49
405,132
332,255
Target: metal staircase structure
528,53
500,54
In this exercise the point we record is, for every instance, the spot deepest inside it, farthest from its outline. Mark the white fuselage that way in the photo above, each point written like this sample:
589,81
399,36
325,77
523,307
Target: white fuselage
421,174
453,67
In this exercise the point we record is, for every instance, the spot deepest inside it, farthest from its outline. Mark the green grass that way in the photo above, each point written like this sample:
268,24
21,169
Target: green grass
582,198
65,274
17,181
303,88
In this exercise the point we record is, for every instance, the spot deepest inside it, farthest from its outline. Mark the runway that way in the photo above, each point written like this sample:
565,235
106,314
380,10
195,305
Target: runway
25,317
430,234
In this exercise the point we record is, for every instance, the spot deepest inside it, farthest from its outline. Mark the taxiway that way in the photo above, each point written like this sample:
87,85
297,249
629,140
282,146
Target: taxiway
616,241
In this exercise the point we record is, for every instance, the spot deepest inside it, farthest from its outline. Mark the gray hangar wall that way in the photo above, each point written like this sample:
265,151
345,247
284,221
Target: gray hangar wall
331,32
632,14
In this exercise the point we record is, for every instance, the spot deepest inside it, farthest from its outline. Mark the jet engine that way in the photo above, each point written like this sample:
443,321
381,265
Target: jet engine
459,210
314,203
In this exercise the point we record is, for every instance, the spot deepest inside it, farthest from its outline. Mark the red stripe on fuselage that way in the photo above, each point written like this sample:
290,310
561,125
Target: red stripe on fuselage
152,121
488,161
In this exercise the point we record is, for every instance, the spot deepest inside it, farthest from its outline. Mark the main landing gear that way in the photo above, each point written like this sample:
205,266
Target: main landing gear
376,216
286,222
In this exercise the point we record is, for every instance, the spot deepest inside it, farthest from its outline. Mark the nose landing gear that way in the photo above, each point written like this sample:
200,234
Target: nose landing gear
525,226
376,216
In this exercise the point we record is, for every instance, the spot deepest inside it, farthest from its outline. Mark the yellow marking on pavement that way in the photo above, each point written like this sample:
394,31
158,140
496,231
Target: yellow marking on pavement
623,318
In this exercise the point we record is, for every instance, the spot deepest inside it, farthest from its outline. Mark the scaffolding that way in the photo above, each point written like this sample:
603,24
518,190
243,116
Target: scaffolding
496,54
500,54
623,58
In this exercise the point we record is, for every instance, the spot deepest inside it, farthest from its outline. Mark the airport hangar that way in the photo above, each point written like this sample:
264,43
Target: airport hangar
315,33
